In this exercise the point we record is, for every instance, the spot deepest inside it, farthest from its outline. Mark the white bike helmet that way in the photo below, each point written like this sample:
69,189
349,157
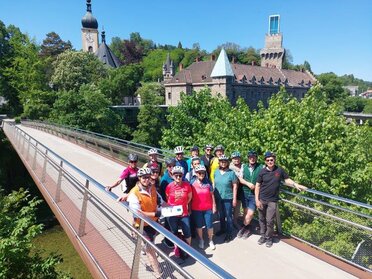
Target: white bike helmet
143,171
178,150
152,151
177,169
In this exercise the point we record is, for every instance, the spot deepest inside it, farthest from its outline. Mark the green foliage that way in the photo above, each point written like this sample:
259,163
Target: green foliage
53,45
72,69
21,69
354,104
18,256
121,82
368,106
152,65
187,120
332,86
312,140
151,116
38,104
87,109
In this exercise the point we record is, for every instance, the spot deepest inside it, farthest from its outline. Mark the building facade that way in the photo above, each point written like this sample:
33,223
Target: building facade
251,82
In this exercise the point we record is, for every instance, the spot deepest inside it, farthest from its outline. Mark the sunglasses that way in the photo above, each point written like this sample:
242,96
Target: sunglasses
269,160
199,173
155,172
178,175
132,161
145,177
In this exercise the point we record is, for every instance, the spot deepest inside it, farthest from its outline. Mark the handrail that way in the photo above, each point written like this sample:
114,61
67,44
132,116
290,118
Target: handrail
211,266
146,147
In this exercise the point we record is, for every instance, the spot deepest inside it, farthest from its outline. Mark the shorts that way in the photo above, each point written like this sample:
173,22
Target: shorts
249,201
202,218
149,233
183,222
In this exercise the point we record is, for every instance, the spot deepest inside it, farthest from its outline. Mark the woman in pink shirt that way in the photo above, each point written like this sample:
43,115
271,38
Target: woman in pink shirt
203,205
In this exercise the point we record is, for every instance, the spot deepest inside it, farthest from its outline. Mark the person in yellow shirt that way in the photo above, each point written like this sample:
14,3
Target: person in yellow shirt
219,150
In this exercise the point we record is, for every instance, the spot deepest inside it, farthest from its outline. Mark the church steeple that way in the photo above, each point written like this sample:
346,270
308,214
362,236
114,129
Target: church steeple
89,30
168,69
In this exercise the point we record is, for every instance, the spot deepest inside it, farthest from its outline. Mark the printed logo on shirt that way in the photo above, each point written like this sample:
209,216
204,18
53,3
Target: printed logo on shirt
276,174
178,195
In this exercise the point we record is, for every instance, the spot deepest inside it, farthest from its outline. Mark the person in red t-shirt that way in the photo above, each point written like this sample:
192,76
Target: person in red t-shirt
203,205
179,192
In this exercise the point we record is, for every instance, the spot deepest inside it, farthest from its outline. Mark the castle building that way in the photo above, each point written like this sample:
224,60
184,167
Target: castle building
253,83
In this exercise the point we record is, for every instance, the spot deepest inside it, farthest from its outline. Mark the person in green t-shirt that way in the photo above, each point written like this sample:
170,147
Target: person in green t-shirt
248,181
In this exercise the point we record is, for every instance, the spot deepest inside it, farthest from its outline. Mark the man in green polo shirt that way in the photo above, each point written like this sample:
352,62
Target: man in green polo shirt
248,181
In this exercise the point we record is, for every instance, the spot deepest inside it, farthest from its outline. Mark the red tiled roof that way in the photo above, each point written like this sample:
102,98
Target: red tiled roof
199,72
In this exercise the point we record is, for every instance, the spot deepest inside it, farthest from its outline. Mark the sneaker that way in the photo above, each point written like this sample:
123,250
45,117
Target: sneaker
167,243
246,234
262,240
201,243
228,238
211,245
220,232
269,242
177,252
241,232
184,255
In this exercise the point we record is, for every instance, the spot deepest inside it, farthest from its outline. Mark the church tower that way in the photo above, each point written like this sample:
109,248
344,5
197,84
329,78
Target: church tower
272,54
168,69
89,32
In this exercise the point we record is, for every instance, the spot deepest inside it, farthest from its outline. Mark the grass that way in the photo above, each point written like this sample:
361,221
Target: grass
55,240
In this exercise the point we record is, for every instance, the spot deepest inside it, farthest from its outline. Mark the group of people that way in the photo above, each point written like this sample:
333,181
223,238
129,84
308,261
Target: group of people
204,186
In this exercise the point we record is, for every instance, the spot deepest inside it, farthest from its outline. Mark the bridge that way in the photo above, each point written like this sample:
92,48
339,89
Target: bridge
71,167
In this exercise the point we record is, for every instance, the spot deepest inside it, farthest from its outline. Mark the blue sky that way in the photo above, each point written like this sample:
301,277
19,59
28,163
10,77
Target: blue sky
333,35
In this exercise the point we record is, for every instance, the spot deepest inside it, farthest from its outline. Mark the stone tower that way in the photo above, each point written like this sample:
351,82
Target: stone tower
168,69
272,54
89,32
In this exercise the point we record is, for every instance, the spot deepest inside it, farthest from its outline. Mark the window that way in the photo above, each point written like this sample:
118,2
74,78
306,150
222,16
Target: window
274,24
169,95
90,49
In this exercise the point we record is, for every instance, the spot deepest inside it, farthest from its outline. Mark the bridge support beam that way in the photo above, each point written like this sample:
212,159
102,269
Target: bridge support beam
83,216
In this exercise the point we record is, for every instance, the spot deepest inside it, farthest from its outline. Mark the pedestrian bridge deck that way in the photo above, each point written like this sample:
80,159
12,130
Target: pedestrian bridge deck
241,258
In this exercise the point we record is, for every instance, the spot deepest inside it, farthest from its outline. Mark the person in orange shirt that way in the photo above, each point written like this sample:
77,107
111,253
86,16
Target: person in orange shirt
145,199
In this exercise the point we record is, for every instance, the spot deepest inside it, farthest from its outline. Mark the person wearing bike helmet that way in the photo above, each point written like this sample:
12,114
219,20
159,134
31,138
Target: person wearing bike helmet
129,175
207,157
248,182
225,191
267,196
194,152
191,175
219,150
179,151
153,161
237,166
179,192
203,205
145,199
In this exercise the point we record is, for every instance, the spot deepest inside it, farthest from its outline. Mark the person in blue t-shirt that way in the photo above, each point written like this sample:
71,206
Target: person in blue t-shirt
179,151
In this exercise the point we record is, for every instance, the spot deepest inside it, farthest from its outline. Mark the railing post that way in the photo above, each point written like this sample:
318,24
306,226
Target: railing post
44,166
35,155
28,149
278,221
137,254
59,182
111,150
83,215
23,145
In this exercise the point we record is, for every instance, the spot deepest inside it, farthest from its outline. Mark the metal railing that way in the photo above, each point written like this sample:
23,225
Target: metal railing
301,216
102,228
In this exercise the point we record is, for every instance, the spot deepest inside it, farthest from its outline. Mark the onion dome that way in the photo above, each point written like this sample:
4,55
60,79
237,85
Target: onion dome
89,21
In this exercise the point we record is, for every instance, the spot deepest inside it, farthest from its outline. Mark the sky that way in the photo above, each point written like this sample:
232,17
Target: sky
332,35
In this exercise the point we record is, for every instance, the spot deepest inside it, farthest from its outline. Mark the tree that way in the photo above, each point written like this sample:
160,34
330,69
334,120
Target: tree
251,55
75,68
151,116
53,45
18,256
354,104
115,46
21,70
332,86
179,44
39,104
88,109
187,120
132,52
121,82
